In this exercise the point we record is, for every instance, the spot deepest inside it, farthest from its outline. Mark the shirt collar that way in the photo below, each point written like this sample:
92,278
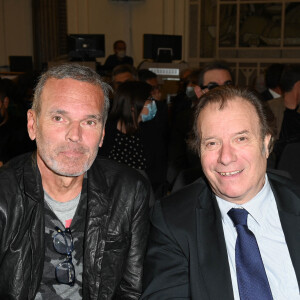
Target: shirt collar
256,207
274,94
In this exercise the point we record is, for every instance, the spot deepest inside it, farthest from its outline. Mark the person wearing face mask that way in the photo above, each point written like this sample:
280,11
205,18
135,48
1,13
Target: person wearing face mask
181,158
186,96
149,111
134,135
151,78
119,57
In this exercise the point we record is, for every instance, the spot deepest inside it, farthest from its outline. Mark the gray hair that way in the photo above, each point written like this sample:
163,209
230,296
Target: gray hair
72,71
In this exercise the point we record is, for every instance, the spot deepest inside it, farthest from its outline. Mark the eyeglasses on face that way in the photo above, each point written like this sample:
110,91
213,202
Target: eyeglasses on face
213,85
63,244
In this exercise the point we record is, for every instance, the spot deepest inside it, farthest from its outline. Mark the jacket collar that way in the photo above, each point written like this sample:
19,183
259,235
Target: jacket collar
33,187
98,190
212,253
99,206
33,182
288,204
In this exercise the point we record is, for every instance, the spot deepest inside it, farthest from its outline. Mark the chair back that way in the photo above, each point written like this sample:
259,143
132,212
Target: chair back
290,161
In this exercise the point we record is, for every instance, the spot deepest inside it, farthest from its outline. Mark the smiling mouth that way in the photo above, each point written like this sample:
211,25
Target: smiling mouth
230,173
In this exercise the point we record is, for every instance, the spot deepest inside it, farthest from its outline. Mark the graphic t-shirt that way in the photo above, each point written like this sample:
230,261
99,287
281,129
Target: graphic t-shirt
49,287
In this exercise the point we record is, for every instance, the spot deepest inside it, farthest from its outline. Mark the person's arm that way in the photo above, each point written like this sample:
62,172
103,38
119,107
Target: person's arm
131,283
166,270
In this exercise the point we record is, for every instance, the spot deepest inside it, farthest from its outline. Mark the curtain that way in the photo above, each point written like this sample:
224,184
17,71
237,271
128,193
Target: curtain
49,31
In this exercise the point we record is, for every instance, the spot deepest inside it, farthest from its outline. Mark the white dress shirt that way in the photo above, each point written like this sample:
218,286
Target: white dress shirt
263,221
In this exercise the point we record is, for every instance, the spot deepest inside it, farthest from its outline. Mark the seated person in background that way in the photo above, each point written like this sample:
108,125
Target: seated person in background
119,57
150,78
286,110
180,157
134,135
5,128
183,75
234,235
14,139
21,101
272,81
123,73
182,83
186,98
212,75
72,226
162,114
4,102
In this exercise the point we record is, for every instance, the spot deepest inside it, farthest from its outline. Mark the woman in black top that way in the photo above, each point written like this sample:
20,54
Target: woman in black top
135,134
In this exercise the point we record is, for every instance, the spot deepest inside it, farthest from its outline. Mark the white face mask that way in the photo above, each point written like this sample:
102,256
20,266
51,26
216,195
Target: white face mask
152,109
121,53
190,92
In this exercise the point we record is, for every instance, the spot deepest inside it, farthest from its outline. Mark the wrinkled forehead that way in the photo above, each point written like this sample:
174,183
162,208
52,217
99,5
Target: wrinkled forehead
71,92
228,105
237,111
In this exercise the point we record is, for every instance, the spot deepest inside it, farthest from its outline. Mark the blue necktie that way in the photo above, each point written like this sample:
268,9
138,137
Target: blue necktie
251,275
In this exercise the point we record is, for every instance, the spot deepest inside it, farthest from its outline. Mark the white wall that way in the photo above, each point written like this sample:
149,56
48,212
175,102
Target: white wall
117,20
128,21
15,29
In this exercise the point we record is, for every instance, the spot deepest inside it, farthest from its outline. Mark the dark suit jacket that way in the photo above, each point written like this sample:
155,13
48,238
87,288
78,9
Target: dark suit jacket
266,95
187,257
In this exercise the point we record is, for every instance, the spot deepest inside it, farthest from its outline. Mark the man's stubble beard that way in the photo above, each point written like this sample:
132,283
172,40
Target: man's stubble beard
61,167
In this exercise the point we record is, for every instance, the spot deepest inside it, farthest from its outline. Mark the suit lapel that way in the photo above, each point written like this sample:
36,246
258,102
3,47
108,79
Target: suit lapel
291,228
288,204
212,253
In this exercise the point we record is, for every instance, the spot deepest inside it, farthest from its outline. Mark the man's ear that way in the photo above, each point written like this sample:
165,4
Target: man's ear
31,124
267,141
198,91
102,138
